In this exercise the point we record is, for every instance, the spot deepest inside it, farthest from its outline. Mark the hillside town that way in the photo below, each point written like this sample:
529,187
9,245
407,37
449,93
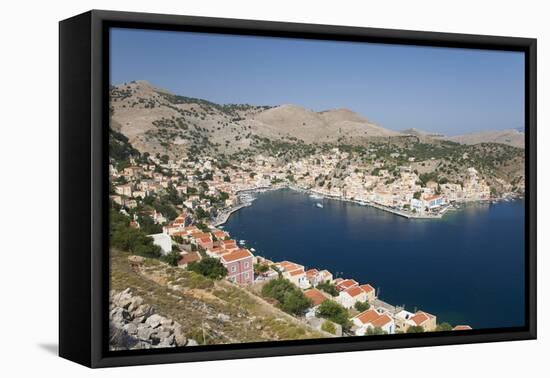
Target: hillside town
205,194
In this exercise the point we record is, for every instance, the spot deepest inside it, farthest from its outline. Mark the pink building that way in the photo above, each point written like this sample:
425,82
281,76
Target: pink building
239,265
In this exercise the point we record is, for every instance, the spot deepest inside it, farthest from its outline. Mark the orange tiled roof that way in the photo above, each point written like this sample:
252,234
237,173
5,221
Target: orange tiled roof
367,288
296,272
236,255
354,291
420,317
368,316
316,296
381,321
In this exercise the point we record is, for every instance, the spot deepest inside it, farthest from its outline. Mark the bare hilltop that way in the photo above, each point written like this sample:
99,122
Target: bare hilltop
158,121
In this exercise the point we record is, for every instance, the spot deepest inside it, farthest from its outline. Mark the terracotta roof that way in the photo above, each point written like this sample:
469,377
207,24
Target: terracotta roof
236,255
296,272
316,296
311,273
188,258
205,240
200,235
462,328
367,316
219,234
381,321
346,284
367,288
420,317
354,291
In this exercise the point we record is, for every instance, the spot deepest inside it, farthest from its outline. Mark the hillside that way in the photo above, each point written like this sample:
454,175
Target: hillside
160,123
511,137
219,310
157,121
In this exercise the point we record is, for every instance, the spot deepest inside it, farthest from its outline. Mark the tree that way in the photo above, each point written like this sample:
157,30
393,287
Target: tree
295,302
208,267
260,268
328,288
329,327
334,312
172,258
290,298
361,306
415,329
444,327
200,213
375,331
417,195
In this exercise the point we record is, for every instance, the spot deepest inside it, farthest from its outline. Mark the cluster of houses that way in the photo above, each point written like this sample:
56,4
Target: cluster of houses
215,243
240,262
142,180
350,292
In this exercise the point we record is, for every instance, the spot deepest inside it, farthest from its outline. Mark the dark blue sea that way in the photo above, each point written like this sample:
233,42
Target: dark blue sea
467,268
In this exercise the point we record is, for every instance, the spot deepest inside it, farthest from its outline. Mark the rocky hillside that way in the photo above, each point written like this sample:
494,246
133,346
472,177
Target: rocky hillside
511,137
135,325
159,122
192,307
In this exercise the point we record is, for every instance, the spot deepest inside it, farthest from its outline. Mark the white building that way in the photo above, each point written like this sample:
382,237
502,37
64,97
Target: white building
164,241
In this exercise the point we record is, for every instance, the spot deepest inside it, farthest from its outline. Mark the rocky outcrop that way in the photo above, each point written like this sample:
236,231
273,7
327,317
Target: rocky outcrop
135,325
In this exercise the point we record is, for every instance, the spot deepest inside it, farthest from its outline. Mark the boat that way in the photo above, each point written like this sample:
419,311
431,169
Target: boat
242,242
252,250
315,196
319,205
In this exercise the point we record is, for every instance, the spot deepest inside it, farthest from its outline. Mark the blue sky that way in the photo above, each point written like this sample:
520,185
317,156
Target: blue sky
451,91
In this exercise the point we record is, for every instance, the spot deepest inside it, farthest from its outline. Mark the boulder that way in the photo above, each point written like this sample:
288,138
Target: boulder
130,328
154,320
144,333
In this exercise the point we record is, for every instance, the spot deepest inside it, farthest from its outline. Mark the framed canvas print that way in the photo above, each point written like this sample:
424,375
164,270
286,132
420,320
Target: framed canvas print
234,188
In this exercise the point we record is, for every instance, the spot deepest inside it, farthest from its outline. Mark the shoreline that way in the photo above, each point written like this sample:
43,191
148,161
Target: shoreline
225,214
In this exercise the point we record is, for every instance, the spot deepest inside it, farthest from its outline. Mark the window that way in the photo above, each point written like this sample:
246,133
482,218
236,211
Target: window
246,275
233,269
246,264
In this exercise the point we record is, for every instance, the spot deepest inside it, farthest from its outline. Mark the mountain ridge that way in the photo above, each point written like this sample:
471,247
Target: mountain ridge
159,122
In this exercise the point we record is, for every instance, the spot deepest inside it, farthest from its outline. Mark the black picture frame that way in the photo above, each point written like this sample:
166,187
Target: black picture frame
83,182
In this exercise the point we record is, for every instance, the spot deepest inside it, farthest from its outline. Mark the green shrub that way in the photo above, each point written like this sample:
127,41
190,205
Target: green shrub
208,267
361,306
290,298
334,312
329,327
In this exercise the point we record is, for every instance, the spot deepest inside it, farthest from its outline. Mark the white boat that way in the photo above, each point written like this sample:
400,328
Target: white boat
252,250
319,205
315,196
241,242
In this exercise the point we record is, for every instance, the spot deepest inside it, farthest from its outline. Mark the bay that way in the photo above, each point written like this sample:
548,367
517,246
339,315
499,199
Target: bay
467,268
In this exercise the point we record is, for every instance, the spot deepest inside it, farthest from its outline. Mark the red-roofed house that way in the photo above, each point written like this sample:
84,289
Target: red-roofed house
178,224
297,277
316,296
425,320
346,284
349,297
187,258
373,319
239,265
369,290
